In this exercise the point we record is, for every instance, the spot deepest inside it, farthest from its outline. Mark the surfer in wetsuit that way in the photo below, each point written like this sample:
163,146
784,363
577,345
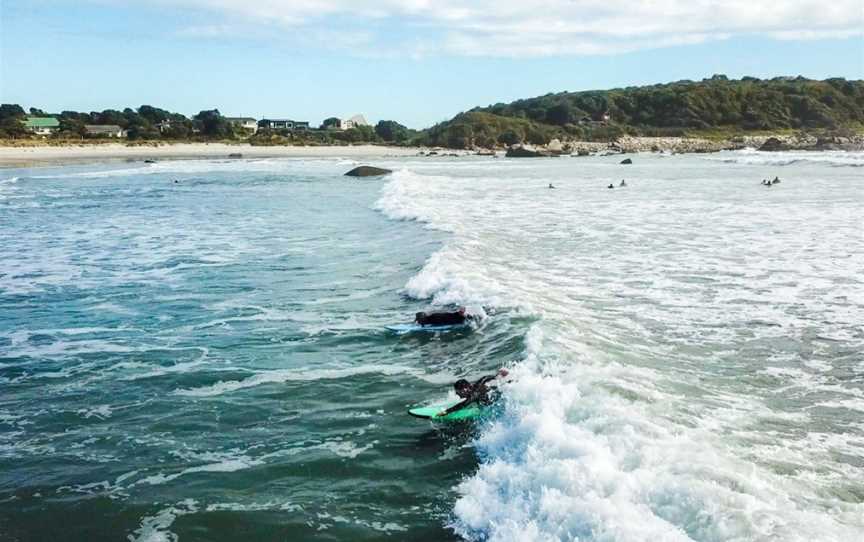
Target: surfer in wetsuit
456,318
478,392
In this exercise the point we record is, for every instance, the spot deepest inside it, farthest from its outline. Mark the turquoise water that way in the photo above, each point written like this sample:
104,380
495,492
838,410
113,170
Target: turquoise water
206,360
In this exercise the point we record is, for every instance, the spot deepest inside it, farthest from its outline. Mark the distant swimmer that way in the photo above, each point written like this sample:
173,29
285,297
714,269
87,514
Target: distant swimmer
176,181
550,185
443,318
776,180
483,391
623,183
611,185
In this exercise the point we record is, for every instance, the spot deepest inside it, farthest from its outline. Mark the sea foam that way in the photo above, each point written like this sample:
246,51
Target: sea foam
602,438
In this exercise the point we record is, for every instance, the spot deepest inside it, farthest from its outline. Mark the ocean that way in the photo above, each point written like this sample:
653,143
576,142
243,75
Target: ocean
196,349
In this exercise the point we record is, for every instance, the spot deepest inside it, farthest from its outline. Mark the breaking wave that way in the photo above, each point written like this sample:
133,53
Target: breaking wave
618,425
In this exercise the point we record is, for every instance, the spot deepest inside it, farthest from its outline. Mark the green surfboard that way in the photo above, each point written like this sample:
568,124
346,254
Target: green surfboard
431,412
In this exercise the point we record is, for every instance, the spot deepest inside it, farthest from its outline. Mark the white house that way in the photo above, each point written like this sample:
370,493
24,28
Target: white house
247,123
356,120
284,124
42,125
104,130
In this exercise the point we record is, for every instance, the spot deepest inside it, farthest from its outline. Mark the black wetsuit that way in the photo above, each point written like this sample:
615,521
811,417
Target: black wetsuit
440,318
480,393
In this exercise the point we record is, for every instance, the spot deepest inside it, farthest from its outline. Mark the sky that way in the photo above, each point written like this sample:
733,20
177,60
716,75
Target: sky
414,61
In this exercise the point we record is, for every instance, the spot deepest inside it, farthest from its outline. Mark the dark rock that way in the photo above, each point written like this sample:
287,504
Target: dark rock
235,155
525,152
772,144
583,152
626,161
368,171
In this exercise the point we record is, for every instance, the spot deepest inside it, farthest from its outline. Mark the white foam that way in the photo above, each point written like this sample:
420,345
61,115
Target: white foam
294,375
155,528
618,425
228,463
785,158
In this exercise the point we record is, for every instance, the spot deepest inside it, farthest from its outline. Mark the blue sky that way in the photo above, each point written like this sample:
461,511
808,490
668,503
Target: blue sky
414,61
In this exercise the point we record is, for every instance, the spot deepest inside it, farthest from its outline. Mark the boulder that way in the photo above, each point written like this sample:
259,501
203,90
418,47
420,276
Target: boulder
773,144
368,171
235,155
626,161
524,152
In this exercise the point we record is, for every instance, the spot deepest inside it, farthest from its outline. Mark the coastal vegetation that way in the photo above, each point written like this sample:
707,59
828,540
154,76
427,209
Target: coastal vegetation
712,109
715,107
152,124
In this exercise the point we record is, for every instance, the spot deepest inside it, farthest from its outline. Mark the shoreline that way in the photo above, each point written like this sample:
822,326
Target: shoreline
50,155
28,156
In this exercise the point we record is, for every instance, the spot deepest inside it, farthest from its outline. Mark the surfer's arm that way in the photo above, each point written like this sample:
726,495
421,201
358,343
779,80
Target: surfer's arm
457,406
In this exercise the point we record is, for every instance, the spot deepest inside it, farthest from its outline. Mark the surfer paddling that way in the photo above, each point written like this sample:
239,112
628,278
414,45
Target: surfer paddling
483,391
443,318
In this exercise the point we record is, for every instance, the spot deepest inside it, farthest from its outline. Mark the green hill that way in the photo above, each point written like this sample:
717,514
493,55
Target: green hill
683,108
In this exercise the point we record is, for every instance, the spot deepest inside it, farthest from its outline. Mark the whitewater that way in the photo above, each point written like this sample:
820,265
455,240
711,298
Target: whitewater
693,370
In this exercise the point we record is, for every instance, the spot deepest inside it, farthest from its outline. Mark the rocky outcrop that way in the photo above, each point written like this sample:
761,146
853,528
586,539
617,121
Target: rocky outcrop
773,144
368,171
626,161
524,151
840,143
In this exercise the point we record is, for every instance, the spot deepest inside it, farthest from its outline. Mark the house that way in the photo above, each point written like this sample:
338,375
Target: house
42,125
356,120
164,126
247,123
104,130
283,124
598,119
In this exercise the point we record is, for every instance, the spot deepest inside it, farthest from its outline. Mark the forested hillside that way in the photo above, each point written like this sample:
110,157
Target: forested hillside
673,109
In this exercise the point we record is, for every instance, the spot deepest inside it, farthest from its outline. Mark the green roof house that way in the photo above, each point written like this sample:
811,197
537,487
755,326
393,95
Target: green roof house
42,125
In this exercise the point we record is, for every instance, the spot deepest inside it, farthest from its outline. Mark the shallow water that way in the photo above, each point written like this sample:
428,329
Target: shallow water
206,360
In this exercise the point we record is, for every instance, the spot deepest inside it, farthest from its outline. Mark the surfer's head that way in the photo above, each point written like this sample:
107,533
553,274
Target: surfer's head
463,388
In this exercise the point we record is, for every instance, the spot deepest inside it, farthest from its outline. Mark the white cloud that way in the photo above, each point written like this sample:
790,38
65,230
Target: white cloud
546,27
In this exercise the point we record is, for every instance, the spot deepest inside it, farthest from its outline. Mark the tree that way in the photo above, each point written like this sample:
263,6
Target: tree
110,116
509,138
213,124
13,127
154,115
331,122
390,130
560,114
71,126
14,111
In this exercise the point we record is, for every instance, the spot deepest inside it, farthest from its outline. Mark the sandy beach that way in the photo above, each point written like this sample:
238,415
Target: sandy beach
47,155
